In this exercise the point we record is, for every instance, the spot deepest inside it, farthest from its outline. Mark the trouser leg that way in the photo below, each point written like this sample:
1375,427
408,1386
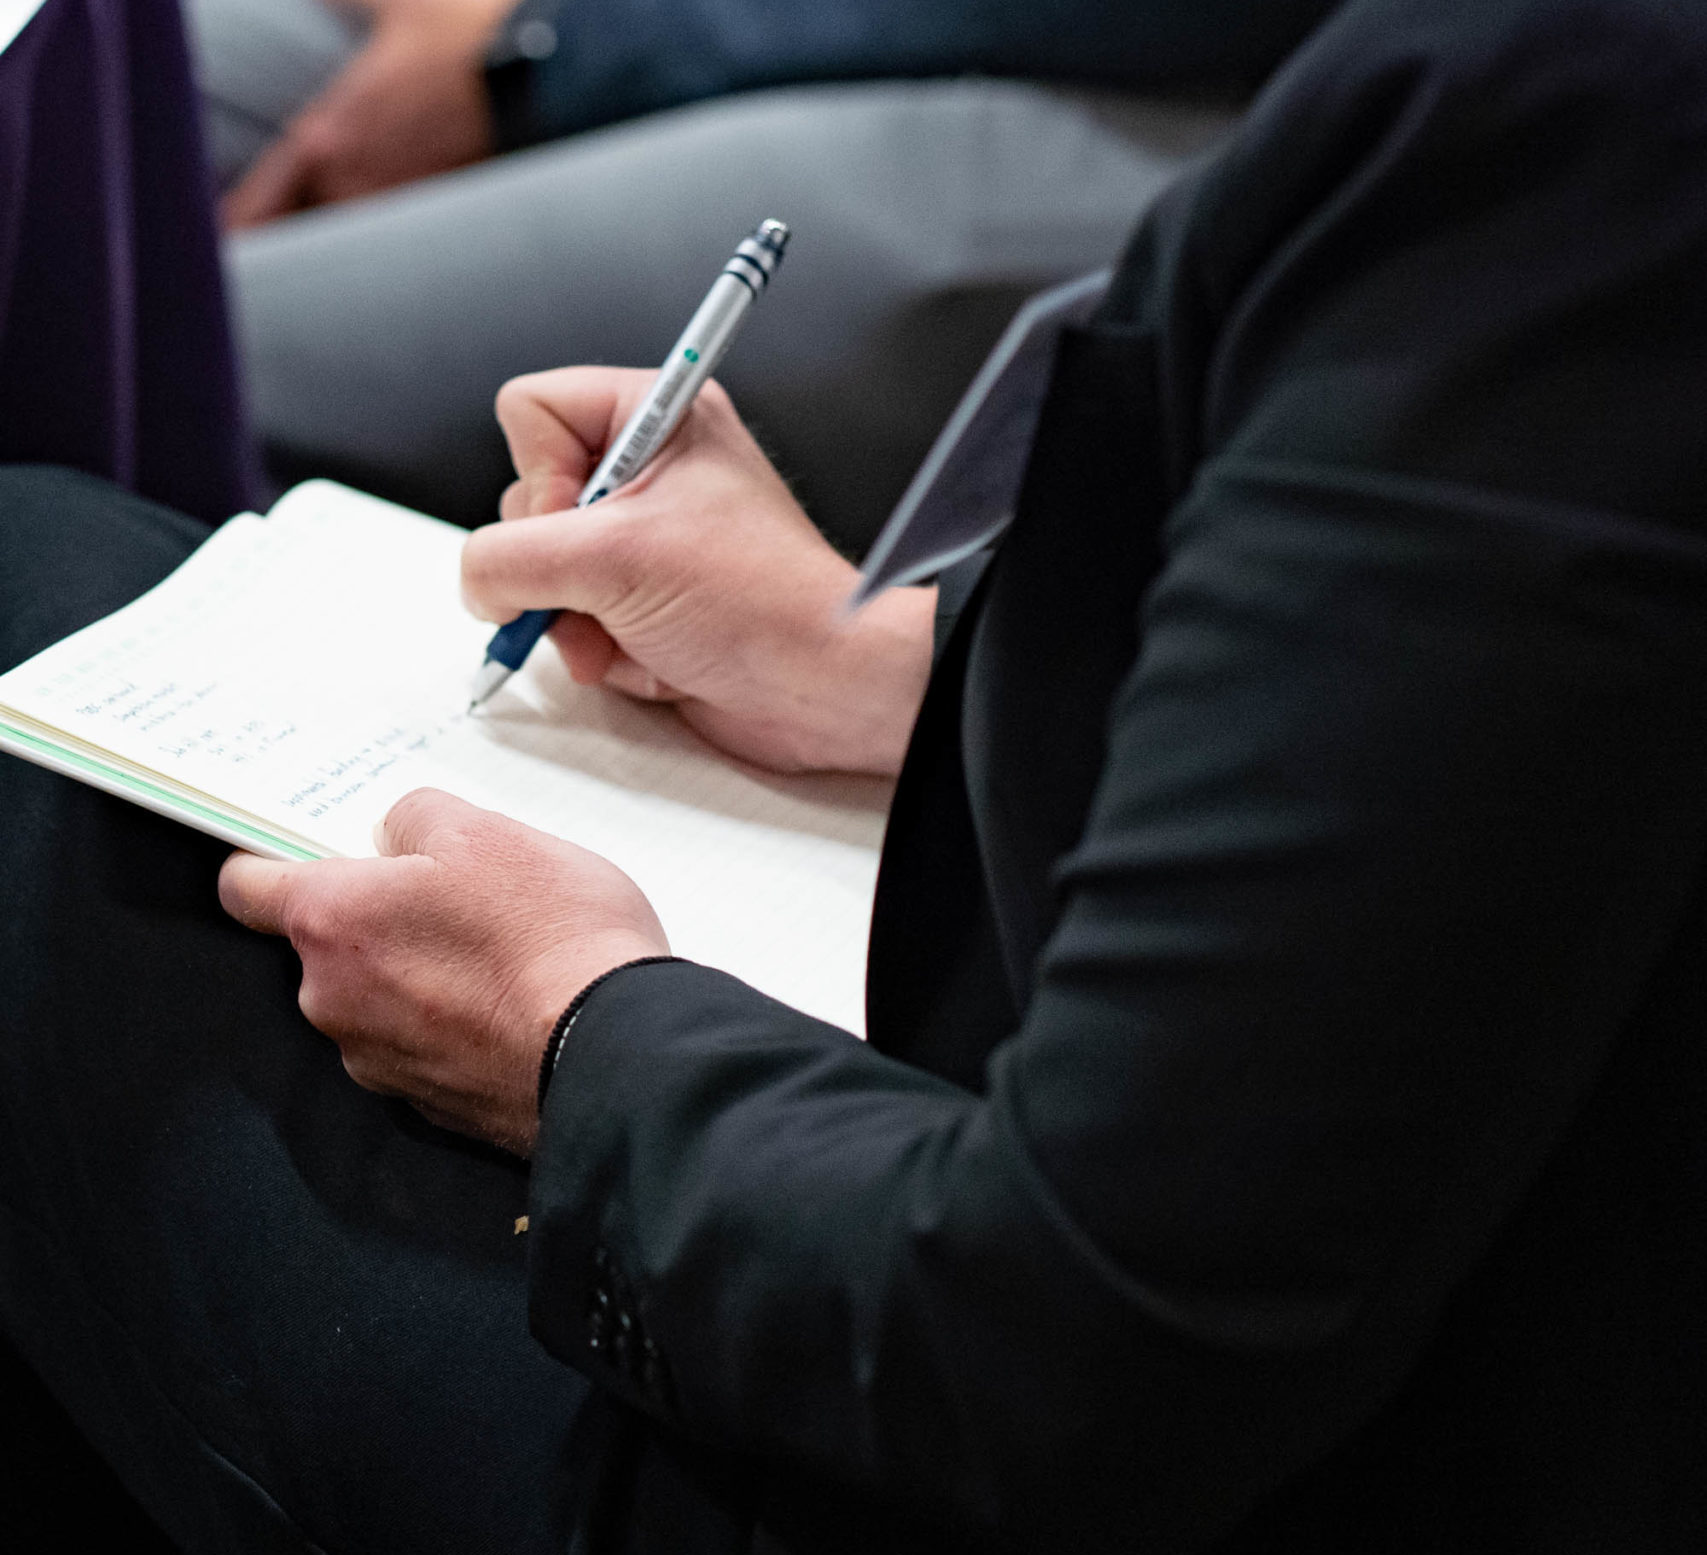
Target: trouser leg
376,333
290,1313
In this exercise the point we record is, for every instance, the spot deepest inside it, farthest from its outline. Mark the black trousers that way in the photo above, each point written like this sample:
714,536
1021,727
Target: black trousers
290,1313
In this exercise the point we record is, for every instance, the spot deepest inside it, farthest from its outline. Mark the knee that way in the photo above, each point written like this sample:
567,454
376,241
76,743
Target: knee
76,548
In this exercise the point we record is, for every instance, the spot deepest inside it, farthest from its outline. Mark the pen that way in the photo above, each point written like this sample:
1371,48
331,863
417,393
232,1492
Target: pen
692,360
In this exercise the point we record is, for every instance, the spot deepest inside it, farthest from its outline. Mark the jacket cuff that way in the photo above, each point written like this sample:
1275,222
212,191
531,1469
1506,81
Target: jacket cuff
589,1300
566,1021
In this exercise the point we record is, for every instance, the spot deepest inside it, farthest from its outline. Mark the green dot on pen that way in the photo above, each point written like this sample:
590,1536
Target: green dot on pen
691,354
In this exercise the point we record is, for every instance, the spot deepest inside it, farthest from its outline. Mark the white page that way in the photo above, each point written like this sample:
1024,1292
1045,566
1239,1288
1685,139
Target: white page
312,667
14,17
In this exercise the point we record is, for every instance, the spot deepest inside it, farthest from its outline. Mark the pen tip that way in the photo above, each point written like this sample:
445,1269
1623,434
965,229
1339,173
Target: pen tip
492,675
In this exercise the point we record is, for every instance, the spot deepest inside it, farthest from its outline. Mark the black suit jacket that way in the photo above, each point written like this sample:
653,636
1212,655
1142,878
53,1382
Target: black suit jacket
1283,1122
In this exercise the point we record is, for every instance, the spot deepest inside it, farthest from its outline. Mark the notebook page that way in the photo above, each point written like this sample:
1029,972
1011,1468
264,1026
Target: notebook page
15,15
312,667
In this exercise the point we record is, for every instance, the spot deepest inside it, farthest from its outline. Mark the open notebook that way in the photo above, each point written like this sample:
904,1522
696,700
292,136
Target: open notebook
302,671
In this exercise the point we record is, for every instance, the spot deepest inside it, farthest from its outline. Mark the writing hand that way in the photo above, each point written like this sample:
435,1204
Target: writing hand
412,102
701,582
440,968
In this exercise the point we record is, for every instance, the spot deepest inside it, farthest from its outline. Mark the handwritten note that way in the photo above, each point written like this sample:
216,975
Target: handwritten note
312,667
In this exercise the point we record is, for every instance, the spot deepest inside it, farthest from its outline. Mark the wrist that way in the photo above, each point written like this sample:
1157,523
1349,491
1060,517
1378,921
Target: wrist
566,1021
876,665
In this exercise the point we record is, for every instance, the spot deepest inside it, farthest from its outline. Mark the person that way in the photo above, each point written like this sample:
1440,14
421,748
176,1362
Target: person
115,357
375,332
1279,1129
312,102
115,353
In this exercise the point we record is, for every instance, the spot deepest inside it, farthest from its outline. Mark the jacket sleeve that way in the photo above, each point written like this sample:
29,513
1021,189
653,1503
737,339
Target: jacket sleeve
582,63
1400,809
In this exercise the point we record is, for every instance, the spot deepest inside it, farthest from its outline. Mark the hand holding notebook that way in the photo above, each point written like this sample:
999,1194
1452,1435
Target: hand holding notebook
302,672
440,967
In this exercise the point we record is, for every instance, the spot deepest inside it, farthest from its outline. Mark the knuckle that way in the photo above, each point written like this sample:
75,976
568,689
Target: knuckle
480,570
543,492
472,839
316,1008
485,829
481,549
314,926
423,819
513,394
416,809
317,915
519,396
360,1066
300,917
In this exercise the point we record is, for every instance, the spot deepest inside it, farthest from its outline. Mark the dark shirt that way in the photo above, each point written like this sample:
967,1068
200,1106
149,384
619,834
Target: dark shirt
614,59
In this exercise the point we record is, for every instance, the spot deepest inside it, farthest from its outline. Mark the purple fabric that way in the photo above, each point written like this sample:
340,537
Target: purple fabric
115,355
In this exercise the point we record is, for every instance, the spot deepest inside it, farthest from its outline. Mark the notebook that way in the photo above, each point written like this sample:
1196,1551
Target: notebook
302,671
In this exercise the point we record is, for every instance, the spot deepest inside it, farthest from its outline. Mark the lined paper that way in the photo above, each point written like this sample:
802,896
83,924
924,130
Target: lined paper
311,667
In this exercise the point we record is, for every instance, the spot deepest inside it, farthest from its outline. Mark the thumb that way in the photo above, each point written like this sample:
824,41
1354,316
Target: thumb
423,821
558,422
256,891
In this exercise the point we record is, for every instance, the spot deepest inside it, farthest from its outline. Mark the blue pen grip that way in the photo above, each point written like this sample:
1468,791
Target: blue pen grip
514,641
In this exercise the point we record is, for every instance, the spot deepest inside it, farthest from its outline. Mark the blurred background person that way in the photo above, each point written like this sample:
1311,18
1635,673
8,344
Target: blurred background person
938,162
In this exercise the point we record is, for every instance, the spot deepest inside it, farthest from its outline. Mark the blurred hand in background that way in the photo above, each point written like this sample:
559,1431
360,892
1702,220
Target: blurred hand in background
411,103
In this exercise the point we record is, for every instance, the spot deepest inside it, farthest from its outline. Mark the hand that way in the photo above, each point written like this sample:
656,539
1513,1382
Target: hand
701,582
411,103
440,968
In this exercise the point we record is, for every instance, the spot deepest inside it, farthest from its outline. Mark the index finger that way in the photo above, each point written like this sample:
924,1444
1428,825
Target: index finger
255,890
559,423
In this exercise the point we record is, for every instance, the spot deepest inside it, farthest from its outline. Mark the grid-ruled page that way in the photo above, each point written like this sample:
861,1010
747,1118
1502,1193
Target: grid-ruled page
312,667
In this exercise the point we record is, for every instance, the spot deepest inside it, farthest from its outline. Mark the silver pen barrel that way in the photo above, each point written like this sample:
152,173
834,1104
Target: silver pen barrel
692,359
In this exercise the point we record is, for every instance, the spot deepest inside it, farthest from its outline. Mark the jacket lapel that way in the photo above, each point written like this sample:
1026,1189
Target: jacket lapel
1058,628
